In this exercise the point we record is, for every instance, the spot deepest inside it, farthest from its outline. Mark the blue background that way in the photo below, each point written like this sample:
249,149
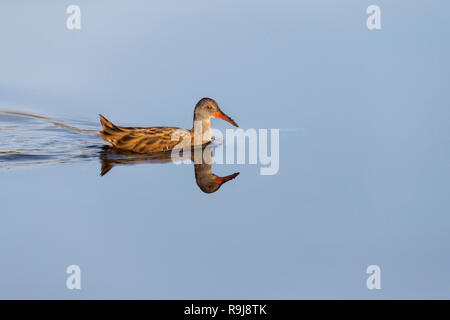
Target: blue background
364,150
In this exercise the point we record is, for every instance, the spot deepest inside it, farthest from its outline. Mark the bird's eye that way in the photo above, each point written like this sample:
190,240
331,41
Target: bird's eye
208,107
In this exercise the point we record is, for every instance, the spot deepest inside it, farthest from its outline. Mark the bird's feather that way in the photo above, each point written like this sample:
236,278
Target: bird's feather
143,140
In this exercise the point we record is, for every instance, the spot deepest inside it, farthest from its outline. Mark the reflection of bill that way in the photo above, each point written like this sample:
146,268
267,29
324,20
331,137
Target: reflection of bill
207,181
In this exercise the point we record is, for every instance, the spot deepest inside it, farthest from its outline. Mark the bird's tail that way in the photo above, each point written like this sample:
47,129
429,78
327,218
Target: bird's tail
108,125
109,129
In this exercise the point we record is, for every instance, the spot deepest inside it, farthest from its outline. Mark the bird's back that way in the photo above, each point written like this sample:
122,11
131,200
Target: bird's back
144,140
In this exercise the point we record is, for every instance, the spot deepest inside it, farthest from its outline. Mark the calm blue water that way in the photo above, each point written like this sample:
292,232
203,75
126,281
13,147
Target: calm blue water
364,150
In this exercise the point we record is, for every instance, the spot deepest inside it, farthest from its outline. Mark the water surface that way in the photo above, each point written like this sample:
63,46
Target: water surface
364,150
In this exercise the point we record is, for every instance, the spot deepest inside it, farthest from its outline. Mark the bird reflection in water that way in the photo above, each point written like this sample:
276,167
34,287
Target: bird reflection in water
207,181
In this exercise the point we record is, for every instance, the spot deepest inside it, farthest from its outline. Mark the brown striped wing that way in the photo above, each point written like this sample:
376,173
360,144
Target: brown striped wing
143,140
147,140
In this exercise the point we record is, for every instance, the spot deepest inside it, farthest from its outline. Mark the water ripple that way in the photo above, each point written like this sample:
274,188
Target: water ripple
29,139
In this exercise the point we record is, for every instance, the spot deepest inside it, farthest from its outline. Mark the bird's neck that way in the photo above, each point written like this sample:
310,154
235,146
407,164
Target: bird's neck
201,131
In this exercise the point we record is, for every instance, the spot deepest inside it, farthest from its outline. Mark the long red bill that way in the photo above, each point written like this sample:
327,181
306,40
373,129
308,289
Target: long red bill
221,180
221,115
